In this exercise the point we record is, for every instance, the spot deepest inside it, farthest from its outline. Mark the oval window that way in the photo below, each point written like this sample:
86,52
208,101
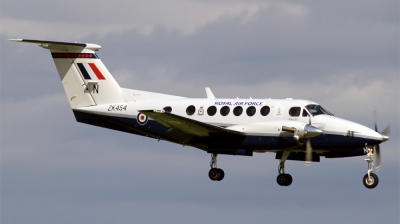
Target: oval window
190,110
251,111
264,111
224,110
211,111
238,111
168,109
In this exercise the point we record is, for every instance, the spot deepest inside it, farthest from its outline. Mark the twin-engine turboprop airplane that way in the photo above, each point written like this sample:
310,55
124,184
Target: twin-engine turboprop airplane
293,129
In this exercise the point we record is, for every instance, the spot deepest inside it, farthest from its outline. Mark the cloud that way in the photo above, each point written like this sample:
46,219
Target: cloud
56,30
186,17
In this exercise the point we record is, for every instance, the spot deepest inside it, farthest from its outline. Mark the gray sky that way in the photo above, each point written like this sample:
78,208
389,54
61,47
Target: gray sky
343,55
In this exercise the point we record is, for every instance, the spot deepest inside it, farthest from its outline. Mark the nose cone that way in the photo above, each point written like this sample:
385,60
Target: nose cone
311,131
384,138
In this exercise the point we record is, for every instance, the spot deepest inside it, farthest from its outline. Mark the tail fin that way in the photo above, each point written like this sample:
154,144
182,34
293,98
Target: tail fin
86,80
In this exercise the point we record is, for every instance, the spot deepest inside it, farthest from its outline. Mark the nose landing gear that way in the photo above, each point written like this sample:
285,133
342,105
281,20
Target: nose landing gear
215,173
370,180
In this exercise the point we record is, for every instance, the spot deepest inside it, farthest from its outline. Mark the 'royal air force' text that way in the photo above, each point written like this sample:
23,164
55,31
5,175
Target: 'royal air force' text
229,103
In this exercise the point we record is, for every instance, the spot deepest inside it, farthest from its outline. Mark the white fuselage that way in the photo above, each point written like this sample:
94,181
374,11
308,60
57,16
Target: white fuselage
334,129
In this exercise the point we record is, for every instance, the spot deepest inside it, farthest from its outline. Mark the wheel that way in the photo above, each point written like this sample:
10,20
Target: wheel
214,174
289,179
371,182
221,174
284,179
281,179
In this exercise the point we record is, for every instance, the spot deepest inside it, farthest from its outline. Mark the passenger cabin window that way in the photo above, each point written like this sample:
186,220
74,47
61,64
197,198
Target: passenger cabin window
224,110
211,111
317,110
251,111
264,111
190,110
238,111
168,109
294,111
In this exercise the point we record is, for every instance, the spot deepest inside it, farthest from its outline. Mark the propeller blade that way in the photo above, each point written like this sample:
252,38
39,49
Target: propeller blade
377,158
308,147
386,131
375,122
308,152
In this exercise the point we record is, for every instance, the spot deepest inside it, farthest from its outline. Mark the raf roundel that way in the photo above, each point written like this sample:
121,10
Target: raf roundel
141,119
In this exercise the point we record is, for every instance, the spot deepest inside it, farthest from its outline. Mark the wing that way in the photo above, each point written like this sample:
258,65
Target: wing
188,130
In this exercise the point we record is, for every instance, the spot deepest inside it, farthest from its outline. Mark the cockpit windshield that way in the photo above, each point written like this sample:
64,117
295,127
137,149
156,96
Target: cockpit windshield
317,110
326,111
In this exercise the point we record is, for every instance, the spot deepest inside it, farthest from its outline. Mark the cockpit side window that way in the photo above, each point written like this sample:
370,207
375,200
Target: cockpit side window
294,111
305,114
317,110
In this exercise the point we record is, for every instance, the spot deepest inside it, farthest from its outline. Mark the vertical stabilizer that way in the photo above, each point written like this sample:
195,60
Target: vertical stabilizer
86,80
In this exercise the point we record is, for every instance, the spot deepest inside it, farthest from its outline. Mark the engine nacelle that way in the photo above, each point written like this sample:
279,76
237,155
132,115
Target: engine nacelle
284,128
290,134
288,142
308,131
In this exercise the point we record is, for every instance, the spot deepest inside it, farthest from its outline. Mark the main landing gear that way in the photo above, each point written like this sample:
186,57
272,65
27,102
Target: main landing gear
283,179
370,180
215,173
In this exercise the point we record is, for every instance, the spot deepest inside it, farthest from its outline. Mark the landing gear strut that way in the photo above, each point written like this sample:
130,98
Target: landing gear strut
215,173
370,180
283,179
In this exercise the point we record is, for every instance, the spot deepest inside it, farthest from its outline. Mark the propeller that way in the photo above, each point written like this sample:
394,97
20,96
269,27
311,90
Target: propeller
308,132
386,131
308,152
308,148
377,150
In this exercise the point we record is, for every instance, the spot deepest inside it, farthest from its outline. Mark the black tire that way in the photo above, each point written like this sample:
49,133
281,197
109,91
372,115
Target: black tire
289,179
281,179
221,174
372,183
214,174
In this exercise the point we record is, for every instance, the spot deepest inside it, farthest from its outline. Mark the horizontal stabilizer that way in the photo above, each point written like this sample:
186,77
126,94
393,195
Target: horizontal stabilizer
63,46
